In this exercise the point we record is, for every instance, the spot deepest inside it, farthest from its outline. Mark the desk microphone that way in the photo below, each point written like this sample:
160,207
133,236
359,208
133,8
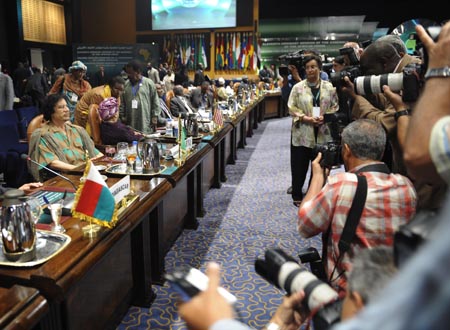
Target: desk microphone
26,157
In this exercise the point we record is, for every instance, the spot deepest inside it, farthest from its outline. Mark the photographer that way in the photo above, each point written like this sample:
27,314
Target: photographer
373,268
381,57
426,153
390,202
309,100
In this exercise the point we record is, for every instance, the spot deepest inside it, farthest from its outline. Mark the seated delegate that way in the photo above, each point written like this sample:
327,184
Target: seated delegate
59,144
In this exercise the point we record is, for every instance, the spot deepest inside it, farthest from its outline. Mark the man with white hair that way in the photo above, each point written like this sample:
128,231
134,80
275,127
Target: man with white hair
6,91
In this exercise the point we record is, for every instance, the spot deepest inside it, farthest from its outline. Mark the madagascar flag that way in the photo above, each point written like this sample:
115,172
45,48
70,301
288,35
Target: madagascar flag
93,199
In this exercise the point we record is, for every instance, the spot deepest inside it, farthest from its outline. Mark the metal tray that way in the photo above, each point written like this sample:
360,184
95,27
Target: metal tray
122,170
48,245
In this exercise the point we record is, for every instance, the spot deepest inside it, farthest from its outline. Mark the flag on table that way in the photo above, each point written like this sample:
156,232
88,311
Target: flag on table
217,118
93,199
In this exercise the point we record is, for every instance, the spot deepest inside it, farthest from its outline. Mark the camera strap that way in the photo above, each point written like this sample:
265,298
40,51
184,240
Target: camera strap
354,214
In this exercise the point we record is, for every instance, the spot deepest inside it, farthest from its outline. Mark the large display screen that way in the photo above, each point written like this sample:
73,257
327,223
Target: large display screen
193,14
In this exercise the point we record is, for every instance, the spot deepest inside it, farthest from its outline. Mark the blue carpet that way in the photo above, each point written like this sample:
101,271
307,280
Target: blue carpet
250,213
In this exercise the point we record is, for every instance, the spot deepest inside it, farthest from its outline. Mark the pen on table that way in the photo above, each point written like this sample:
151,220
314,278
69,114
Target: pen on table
46,200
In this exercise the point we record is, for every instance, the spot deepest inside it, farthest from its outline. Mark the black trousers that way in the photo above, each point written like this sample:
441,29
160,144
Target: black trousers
300,159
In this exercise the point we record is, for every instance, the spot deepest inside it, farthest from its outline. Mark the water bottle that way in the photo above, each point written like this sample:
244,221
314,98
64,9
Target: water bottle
169,127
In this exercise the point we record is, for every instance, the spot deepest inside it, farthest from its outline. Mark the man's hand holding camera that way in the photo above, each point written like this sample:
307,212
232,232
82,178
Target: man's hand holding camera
319,176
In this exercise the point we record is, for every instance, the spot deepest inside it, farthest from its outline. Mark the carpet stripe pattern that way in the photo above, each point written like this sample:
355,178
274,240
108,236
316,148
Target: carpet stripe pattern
248,214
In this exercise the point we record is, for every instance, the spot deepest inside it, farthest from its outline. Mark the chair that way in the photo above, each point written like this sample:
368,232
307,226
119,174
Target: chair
35,123
94,121
25,115
169,95
8,117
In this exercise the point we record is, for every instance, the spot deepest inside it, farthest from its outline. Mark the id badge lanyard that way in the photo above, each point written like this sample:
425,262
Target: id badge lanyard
135,91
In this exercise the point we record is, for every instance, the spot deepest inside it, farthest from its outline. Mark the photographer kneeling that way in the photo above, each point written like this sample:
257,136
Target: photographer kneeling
390,201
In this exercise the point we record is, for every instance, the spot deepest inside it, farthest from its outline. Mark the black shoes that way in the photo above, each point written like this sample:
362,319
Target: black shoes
297,203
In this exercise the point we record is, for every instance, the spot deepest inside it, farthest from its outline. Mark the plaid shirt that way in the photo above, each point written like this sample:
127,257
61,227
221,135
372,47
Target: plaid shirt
390,203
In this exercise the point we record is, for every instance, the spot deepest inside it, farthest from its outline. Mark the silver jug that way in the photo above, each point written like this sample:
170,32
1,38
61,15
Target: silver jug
191,125
18,227
149,153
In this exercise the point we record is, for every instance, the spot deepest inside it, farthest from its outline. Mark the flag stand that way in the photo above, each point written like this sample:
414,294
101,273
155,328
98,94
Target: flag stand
91,230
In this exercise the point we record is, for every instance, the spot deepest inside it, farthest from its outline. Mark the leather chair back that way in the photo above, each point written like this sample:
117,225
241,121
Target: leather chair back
169,95
35,123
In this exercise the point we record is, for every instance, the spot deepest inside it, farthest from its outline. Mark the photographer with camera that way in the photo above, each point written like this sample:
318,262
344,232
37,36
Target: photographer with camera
309,100
372,269
382,58
390,201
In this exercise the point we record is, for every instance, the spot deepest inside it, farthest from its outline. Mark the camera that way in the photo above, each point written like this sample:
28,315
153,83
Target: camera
295,59
351,54
285,273
408,81
352,72
188,282
332,151
331,154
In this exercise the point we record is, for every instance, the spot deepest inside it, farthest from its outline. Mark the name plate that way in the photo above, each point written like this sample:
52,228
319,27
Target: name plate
121,189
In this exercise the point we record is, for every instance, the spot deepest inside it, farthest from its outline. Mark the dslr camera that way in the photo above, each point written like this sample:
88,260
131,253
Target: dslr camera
285,273
332,151
408,81
352,70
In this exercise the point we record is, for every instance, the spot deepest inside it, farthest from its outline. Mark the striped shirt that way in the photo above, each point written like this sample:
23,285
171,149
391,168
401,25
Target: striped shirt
390,203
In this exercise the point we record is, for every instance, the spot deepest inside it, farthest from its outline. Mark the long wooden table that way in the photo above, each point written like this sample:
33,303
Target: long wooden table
93,281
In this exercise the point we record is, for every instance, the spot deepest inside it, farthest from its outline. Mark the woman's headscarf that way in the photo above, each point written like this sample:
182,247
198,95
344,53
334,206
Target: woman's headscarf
108,108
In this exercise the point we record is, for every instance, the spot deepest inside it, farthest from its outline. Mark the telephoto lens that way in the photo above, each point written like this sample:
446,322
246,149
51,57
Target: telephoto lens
285,273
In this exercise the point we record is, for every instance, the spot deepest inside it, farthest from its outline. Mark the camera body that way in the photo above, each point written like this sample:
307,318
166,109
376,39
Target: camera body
285,273
352,72
295,59
332,151
351,54
188,282
331,154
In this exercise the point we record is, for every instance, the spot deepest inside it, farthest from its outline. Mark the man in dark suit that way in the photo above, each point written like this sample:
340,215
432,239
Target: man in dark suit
179,105
202,97
199,77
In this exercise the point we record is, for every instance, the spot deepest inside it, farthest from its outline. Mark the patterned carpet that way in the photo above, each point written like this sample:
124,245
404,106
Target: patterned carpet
250,213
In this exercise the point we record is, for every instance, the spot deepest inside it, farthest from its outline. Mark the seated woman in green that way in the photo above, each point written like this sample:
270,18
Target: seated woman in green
59,144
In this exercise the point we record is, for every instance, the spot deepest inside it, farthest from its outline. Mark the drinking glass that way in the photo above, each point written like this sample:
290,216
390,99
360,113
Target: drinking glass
122,149
56,211
110,152
35,208
131,157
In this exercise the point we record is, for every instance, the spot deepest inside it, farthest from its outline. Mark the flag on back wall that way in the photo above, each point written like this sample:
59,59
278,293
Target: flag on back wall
93,199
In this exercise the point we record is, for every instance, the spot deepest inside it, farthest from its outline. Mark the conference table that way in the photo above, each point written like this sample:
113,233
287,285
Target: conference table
91,283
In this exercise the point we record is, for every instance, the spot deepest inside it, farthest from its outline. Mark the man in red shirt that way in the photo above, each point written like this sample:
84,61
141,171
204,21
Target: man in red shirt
390,203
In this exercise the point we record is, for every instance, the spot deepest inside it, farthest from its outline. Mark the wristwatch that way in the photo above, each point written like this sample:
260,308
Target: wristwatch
400,113
438,72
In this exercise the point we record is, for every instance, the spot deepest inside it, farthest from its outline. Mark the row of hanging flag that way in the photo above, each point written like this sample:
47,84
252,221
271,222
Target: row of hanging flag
237,51
185,49
233,51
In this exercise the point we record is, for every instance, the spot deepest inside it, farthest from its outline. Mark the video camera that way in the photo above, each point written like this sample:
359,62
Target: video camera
285,273
295,58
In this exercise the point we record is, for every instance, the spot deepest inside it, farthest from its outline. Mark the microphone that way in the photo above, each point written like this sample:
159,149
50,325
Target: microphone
26,157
